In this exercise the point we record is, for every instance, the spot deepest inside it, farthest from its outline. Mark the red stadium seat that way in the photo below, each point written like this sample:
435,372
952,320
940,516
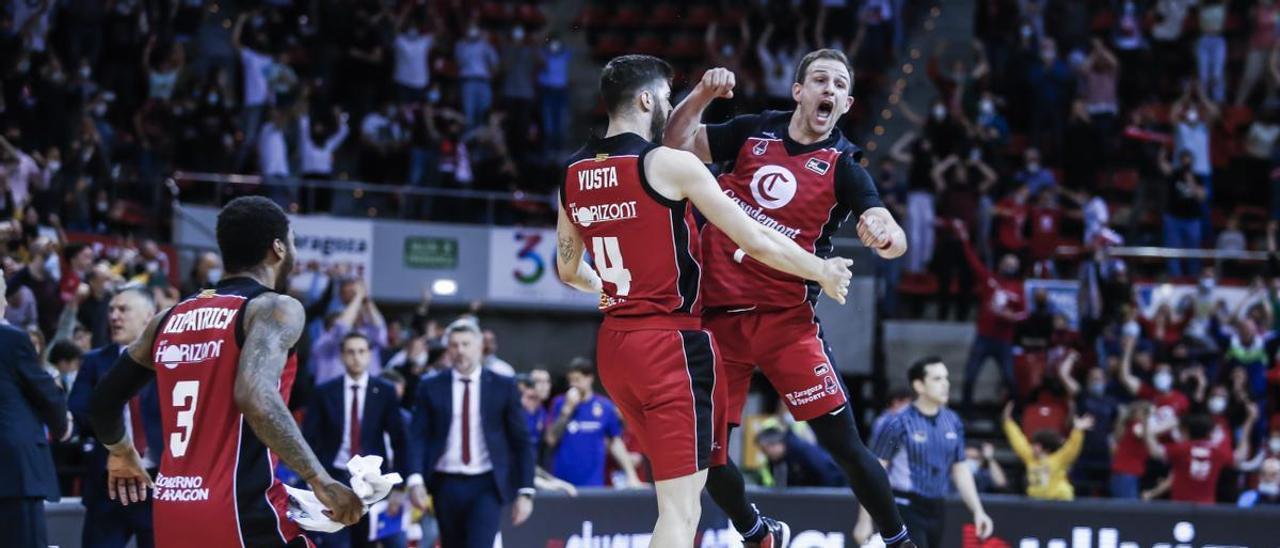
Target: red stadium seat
698,17
591,17
649,44
664,15
1125,180
629,17
531,16
686,47
610,45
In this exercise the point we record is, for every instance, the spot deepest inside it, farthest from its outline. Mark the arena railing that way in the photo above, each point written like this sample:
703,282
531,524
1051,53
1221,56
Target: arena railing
349,198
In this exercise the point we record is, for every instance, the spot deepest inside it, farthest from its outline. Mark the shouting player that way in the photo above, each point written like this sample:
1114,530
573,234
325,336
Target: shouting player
794,173
630,202
223,362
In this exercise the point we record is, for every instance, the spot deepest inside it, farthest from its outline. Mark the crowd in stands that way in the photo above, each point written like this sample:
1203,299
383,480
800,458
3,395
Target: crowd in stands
1063,133
111,98
1067,128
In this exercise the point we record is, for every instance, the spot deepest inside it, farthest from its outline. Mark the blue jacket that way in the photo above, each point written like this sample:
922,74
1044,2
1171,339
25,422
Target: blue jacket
326,417
93,367
502,419
29,402
809,465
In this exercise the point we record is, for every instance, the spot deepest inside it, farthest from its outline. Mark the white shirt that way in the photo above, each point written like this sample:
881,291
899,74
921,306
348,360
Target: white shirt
499,366
411,60
451,461
344,450
1171,13
777,72
380,129
147,461
318,158
255,77
18,179
1195,138
273,154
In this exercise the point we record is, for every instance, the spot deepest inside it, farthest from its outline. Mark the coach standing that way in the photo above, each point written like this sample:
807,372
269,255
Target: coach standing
108,523
927,439
29,402
469,446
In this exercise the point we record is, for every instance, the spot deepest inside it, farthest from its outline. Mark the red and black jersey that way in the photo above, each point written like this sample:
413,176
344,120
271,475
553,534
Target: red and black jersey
804,192
216,485
644,246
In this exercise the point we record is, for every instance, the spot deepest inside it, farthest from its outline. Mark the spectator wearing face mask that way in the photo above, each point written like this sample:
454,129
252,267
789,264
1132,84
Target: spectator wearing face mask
1268,490
988,475
1002,306
477,62
1168,403
412,73
1195,463
553,86
1092,472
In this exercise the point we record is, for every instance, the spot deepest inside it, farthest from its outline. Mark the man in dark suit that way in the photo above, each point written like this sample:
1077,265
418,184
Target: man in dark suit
355,415
30,401
107,523
469,446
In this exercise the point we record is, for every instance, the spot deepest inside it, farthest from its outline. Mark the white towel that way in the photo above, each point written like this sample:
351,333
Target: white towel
367,481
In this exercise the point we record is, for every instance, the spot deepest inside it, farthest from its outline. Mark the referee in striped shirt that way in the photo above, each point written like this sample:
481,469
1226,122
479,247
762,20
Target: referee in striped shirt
927,440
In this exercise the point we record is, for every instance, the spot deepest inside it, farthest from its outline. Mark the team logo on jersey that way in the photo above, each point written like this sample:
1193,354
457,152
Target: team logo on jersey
207,294
950,435
173,355
761,147
200,319
821,369
830,385
602,213
773,186
817,166
919,437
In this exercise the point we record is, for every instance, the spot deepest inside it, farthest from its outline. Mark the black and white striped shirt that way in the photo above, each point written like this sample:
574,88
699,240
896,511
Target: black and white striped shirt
926,446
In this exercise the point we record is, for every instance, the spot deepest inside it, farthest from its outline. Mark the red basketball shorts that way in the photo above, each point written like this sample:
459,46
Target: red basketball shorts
668,386
788,348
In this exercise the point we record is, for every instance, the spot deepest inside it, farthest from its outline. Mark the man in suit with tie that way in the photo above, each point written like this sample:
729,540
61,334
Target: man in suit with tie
355,415
469,446
30,401
107,523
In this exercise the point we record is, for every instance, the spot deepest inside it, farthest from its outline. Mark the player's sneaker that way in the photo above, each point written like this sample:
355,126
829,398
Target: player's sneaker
779,535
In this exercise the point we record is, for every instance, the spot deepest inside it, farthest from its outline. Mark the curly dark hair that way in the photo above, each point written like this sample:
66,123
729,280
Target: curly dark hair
247,227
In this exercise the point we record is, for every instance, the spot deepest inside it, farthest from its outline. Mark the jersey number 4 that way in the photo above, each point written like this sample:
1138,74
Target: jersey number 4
608,258
182,392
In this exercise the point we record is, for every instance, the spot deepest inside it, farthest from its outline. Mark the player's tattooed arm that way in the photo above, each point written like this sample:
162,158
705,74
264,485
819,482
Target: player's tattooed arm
272,324
140,348
569,248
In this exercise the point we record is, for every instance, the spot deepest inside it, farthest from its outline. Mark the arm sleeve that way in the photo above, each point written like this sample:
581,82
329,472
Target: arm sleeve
396,430
78,400
418,432
613,425
885,443
106,405
726,139
855,189
1017,441
1070,451
518,437
38,387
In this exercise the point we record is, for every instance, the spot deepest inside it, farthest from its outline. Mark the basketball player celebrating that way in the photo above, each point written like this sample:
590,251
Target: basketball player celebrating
796,174
222,359
631,203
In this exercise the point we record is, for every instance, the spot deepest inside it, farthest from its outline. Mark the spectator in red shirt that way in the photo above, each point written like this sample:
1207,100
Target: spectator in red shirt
1012,211
1045,218
1194,465
77,260
1168,403
1003,305
1129,459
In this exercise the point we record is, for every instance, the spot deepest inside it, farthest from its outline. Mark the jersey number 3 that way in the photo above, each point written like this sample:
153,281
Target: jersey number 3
608,258
183,391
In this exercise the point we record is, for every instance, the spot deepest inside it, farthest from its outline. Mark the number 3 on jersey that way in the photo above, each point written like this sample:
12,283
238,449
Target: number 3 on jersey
608,259
183,391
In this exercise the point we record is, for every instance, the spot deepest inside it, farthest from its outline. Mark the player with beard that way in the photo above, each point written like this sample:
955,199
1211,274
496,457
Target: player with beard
223,362
631,202
795,173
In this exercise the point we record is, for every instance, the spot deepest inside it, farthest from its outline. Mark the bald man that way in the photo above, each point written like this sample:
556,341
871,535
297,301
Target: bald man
107,522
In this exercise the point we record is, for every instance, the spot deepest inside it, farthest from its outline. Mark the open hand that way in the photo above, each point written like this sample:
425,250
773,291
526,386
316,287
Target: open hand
127,480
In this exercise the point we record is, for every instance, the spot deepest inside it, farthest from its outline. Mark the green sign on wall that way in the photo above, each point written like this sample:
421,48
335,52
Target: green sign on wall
428,252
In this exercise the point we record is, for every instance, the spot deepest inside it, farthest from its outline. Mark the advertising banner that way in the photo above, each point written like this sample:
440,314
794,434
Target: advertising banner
1062,297
327,241
522,268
